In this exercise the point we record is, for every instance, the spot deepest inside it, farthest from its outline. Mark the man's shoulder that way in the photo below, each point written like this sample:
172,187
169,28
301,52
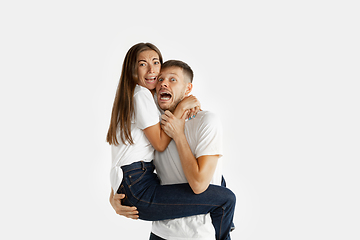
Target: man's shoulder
203,120
207,113
207,117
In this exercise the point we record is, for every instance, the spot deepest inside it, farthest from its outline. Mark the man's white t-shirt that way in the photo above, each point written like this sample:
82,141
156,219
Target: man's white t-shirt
204,135
146,115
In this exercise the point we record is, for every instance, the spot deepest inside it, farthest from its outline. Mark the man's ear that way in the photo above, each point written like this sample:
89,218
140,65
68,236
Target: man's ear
188,89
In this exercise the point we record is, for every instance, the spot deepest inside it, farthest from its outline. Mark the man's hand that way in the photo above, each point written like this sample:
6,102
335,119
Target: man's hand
115,201
173,126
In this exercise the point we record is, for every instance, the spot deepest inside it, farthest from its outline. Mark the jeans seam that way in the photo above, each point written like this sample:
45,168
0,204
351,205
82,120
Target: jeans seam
222,217
140,200
137,180
172,204
131,170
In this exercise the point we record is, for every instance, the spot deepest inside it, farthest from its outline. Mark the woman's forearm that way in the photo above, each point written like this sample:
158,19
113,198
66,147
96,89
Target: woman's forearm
179,110
157,137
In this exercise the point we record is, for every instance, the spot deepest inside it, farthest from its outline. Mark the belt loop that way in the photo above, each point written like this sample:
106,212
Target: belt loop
142,165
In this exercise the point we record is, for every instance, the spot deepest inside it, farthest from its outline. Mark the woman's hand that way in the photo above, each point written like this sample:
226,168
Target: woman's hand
173,126
192,112
190,103
115,201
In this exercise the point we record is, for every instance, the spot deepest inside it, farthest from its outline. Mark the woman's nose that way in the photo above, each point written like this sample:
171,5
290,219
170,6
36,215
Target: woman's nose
151,69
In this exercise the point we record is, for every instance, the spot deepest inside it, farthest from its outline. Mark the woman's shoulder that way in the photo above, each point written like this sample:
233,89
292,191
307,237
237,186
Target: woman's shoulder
142,93
141,89
144,101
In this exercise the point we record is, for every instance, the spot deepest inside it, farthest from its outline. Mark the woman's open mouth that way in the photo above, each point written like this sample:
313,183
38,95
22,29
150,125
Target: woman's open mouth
151,79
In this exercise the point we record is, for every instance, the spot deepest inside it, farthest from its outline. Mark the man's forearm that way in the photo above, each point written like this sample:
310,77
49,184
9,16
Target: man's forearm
198,171
189,164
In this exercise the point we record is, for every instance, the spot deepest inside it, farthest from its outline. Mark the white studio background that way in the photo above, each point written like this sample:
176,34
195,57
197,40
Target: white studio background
283,76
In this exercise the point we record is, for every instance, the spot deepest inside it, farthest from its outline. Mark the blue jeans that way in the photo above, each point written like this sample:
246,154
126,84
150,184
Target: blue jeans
156,202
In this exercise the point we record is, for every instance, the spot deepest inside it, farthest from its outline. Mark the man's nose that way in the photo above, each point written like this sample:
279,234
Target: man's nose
164,83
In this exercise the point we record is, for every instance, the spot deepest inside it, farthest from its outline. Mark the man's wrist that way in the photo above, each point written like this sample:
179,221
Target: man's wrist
179,137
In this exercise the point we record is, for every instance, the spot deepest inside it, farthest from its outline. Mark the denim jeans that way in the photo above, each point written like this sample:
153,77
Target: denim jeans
156,202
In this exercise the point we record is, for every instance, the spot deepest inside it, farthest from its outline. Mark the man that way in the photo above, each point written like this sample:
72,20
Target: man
194,155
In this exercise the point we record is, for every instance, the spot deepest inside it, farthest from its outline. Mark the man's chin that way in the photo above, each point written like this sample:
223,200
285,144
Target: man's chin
165,106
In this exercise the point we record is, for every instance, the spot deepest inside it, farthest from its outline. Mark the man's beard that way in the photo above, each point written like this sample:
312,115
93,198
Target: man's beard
173,106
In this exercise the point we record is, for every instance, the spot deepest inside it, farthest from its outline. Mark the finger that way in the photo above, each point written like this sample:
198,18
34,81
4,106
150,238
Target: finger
193,112
165,128
185,115
120,207
164,117
198,104
190,114
130,215
163,122
126,210
119,196
197,109
135,217
169,114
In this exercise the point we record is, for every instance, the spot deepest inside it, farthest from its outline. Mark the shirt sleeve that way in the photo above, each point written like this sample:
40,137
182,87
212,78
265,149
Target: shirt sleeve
146,112
210,136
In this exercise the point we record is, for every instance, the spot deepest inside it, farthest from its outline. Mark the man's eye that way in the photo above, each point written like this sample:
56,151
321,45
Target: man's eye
160,79
156,63
173,79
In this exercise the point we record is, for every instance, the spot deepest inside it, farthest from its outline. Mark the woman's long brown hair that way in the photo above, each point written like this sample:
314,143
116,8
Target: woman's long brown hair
123,107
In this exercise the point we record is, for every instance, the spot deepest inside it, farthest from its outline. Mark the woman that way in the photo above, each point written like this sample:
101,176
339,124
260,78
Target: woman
135,120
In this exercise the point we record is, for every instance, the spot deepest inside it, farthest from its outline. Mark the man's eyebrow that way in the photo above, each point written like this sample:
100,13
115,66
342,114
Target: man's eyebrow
160,75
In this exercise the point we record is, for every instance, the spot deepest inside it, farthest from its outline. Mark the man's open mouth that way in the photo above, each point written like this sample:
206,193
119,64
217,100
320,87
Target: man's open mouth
164,96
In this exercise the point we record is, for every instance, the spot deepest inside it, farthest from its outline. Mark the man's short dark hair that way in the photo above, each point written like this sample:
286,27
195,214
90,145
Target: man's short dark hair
188,72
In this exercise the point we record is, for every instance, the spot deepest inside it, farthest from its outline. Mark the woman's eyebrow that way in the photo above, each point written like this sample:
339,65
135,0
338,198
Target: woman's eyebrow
145,60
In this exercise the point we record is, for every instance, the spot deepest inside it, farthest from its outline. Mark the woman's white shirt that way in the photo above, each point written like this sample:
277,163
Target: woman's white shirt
146,115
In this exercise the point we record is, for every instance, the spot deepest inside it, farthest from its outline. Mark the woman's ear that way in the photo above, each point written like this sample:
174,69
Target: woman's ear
188,90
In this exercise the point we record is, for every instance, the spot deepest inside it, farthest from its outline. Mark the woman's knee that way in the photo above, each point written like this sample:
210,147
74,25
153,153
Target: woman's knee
230,197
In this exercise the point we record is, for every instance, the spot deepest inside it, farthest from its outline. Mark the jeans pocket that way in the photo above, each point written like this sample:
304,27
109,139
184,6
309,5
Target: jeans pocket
136,176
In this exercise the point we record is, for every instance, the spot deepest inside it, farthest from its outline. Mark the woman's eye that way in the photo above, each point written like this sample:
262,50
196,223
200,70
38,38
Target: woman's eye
156,63
173,79
160,79
142,64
